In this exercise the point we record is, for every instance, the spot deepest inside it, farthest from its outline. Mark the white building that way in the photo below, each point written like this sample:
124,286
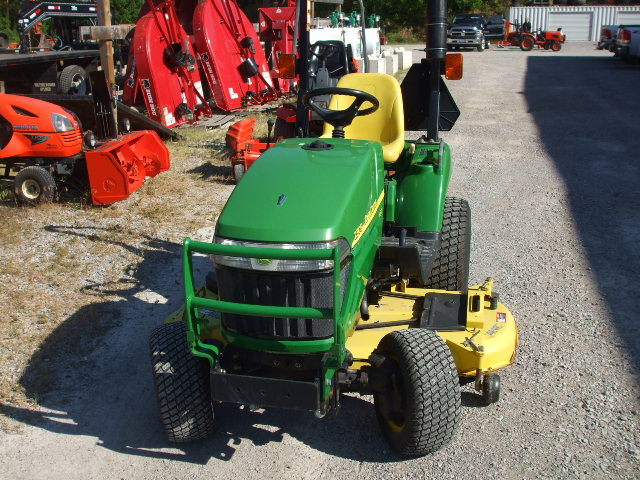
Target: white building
577,23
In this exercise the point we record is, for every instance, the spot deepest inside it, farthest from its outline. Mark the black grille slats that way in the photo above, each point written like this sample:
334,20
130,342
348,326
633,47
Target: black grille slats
295,289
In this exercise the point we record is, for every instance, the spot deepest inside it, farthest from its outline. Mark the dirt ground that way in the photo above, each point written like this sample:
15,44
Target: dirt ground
546,152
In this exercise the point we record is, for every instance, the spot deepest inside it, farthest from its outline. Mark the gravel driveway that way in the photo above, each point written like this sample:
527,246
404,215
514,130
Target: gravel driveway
546,151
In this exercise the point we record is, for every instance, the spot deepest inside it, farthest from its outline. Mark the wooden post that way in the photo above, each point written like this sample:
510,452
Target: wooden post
106,46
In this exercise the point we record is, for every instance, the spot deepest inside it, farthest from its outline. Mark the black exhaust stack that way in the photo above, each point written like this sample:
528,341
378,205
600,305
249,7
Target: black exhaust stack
436,53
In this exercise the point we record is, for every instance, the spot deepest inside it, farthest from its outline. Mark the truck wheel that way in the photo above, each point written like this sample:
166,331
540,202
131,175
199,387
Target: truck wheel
526,44
556,46
480,46
182,385
4,40
418,405
450,270
73,81
34,185
238,171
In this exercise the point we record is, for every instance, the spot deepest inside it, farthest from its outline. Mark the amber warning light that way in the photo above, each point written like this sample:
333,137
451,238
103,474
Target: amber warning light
453,66
287,65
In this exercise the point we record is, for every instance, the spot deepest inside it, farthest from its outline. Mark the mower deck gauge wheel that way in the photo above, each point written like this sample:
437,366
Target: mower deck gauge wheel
491,388
34,185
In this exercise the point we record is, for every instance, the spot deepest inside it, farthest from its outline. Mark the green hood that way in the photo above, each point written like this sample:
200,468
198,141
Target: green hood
293,194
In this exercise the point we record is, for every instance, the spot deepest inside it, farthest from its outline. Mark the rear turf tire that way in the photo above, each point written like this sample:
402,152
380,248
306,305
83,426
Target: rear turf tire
419,409
450,270
526,44
182,385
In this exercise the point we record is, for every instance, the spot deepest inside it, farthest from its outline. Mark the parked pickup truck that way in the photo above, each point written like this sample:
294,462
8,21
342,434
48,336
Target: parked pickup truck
628,43
467,31
607,40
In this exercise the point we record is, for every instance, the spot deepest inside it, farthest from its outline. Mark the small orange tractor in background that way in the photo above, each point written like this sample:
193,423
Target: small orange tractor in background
41,147
549,39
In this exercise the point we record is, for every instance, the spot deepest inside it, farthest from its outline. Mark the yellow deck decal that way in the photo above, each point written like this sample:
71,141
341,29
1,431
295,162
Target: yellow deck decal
367,220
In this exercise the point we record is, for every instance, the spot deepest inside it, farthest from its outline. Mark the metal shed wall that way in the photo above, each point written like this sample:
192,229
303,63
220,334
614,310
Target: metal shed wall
600,15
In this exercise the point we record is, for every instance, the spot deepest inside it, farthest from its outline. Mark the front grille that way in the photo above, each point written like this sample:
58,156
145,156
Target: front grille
463,33
71,138
295,289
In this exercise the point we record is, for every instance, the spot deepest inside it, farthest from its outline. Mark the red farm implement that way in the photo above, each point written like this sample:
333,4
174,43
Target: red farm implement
164,76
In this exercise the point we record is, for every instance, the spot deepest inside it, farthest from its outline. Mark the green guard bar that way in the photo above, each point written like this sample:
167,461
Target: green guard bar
194,302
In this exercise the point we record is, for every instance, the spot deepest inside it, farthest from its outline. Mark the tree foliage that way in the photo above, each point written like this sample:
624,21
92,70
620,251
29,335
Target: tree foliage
411,13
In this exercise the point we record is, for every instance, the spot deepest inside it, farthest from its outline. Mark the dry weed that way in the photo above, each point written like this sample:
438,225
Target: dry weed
65,265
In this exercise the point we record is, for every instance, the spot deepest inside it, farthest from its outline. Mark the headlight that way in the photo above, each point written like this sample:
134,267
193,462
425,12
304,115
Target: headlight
61,123
273,265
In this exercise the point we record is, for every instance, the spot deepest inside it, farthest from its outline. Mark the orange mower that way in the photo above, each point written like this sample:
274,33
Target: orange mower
42,147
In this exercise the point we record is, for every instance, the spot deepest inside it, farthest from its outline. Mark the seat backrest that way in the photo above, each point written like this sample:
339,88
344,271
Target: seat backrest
385,125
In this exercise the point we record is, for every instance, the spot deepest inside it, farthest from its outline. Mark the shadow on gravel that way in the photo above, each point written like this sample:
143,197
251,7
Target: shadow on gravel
92,376
588,112
221,173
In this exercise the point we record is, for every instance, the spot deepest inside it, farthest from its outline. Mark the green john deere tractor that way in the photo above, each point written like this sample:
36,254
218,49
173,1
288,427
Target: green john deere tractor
340,265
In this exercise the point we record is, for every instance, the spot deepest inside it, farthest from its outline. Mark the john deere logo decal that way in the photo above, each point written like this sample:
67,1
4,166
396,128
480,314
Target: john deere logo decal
264,262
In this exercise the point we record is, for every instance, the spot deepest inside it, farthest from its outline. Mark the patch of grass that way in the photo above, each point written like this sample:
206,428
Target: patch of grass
408,35
11,232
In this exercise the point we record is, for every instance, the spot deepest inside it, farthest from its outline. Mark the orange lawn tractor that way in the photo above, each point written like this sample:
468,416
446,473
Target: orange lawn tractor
41,148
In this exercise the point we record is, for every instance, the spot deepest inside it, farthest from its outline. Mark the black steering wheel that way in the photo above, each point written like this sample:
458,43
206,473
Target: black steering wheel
339,119
322,51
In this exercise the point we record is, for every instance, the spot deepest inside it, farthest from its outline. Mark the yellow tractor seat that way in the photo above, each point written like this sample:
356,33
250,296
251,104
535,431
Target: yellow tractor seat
385,125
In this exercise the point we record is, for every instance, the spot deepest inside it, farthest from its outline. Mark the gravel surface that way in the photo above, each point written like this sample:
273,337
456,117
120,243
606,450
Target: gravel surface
546,152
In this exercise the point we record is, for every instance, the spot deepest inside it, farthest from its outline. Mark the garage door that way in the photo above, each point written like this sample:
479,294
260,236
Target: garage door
629,18
576,26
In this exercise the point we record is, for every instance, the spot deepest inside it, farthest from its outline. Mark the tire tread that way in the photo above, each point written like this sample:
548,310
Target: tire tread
182,385
450,270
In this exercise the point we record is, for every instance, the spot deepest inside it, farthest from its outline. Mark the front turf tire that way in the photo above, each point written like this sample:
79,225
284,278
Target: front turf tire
182,385
238,172
34,185
450,270
419,409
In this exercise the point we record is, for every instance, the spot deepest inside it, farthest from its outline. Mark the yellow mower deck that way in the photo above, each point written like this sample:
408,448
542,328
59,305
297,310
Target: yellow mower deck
487,344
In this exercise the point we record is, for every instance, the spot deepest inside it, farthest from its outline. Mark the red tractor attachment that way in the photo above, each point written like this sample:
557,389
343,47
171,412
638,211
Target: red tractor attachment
173,37
119,167
163,69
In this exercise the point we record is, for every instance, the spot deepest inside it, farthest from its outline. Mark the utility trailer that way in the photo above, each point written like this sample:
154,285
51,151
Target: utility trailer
58,62
47,72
